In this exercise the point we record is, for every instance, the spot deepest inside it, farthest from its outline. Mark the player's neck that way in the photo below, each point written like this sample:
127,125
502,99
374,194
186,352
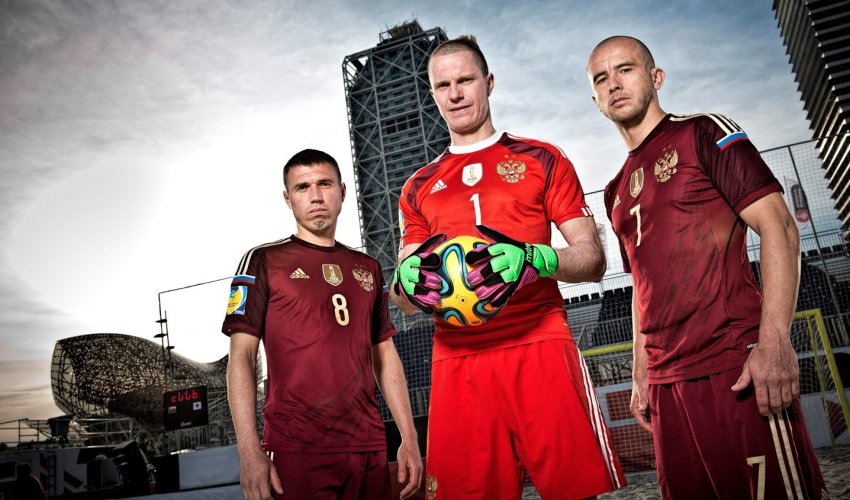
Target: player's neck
634,133
485,131
323,239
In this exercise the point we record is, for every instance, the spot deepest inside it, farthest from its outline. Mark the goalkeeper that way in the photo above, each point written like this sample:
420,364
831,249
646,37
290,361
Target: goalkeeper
510,398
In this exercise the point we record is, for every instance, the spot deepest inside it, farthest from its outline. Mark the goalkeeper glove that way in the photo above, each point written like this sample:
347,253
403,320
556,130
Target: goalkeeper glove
416,276
506,265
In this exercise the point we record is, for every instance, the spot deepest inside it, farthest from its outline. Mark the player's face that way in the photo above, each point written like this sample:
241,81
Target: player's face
624,87
462,93
315,196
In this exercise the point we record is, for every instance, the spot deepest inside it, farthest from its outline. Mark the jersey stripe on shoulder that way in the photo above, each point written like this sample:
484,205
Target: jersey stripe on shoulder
538,141
243,264
733,132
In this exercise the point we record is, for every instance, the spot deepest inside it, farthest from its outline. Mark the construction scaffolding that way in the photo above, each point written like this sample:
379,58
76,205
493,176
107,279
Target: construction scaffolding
395,129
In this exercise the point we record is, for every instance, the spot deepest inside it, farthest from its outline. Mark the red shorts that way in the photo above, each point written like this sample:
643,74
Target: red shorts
333,476
498,414
711,442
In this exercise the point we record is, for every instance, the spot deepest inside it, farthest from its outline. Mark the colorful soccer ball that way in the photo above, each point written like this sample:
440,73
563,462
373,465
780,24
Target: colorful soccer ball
459,305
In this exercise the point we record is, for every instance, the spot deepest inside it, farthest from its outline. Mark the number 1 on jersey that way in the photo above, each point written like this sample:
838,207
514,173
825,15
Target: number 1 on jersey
477,205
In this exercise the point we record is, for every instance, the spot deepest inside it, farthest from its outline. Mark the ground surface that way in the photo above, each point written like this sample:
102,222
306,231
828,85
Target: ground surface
834,464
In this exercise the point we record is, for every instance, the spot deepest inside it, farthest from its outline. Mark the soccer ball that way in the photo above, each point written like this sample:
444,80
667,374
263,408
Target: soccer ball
459,305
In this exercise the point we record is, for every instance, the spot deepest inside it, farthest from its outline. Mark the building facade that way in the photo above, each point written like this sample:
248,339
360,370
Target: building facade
815,34
395,129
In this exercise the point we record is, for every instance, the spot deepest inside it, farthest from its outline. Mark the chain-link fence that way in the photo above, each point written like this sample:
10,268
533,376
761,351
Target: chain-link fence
600,313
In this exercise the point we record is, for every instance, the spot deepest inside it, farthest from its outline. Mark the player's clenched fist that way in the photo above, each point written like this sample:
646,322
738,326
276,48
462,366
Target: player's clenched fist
415,276
506,265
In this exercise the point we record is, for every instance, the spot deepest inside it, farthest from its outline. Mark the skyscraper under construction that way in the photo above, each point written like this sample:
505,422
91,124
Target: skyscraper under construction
395,129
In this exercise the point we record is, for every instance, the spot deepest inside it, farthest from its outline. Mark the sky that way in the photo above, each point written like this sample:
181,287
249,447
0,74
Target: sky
141,143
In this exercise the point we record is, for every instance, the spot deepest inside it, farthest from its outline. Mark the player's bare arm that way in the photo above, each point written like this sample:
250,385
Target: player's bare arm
400,300
640,377
583,260
772,364
257,473
389,374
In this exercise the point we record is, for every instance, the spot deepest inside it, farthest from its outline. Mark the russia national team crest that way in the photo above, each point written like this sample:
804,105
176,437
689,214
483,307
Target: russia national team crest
365,278
636,182
665,167
332,274
472,174
511,170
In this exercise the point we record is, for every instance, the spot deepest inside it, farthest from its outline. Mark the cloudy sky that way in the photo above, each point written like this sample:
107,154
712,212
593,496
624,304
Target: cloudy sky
141,142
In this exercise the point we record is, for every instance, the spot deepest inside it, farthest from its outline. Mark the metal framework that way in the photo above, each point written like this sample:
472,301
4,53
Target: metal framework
395,129
110,374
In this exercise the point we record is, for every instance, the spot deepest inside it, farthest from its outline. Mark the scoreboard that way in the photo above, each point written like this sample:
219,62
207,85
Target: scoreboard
185,408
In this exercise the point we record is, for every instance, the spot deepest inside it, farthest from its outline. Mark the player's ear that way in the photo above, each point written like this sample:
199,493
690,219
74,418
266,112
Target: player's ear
491,82
286,199
343,192
658,76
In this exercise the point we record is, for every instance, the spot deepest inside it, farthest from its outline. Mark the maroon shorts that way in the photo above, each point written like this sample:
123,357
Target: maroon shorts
498,414
333,476
711,442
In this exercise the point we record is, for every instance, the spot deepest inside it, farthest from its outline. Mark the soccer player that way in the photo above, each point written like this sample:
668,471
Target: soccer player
320,309
714,367
512,396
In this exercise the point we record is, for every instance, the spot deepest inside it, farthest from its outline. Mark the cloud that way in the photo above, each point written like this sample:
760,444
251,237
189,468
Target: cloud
141,142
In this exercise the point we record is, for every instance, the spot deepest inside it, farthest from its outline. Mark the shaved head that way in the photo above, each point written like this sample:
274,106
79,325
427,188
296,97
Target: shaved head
643,49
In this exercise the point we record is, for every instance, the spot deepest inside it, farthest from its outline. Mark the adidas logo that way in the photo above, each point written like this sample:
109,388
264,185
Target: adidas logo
299,274
438,186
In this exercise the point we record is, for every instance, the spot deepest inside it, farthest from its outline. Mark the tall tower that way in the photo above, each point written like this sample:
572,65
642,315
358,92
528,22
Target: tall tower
815,33
395,129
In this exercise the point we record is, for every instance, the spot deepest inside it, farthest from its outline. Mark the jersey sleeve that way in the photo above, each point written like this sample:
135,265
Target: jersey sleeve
732,163
382,327
249,296
412,225
564,197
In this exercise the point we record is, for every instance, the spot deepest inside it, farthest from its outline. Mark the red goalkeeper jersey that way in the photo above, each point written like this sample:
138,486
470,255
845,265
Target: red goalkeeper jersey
674,206
517,186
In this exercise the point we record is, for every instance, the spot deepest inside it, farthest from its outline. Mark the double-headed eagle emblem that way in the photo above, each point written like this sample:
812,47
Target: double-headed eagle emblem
665,167
511,170
365,278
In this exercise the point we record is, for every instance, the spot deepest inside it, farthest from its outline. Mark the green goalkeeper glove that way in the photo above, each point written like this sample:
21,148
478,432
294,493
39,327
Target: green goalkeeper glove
506,265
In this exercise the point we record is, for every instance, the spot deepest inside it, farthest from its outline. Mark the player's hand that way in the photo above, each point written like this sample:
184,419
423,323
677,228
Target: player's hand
415,276
640,402
506,265
409,468
258,476
773,370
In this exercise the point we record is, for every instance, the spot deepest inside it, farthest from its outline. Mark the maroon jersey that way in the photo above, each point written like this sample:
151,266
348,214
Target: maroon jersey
674,206
517,186
318,310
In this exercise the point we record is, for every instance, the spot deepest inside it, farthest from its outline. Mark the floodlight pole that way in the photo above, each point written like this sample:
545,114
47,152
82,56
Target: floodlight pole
165,340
